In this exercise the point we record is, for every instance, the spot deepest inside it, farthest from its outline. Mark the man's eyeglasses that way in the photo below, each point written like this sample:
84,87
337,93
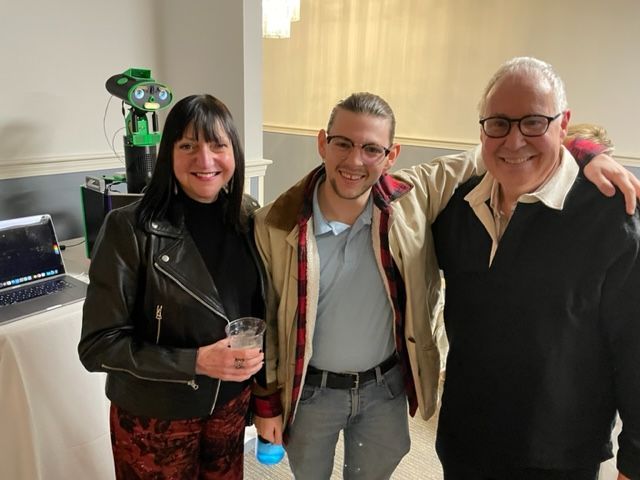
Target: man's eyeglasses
372,153
529,125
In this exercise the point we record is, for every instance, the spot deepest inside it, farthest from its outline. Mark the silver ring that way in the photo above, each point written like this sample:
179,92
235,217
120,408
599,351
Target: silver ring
238,363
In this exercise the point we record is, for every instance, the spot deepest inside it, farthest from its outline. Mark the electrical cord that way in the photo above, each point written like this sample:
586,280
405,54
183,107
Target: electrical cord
64,247
104,130
113,139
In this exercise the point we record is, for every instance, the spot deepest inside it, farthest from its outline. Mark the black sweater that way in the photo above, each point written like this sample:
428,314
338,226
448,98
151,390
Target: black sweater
229,261
227,256
545,342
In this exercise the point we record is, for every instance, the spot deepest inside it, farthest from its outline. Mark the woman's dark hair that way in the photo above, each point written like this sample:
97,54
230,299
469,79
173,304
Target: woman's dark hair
209,117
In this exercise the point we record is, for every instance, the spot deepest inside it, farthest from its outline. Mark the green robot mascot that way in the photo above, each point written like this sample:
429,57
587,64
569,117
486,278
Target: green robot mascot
143,94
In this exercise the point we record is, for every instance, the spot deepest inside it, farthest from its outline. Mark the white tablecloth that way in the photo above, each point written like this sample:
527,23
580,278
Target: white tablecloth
53,413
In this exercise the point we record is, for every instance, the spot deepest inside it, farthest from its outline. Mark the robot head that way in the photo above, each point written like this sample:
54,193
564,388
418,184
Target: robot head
136,88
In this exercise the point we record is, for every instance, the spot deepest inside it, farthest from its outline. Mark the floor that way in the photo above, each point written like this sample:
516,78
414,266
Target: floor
421,463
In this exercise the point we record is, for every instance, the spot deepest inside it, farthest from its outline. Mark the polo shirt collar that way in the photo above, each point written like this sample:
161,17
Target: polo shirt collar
552,193
321,225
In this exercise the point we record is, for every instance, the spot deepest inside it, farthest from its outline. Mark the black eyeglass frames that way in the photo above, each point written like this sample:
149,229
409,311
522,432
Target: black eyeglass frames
529,125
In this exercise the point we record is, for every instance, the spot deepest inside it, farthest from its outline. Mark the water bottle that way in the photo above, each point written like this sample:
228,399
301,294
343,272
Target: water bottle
268,453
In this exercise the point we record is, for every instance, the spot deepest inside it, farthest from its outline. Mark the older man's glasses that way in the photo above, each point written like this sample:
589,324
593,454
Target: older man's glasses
371,153
529,125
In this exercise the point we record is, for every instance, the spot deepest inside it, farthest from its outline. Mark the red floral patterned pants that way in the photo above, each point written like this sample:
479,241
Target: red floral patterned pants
208,448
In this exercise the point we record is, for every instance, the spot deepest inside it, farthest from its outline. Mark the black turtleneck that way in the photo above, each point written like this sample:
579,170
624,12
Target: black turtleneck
227,256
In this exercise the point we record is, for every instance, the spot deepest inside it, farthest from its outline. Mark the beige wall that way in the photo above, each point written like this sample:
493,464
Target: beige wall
431,59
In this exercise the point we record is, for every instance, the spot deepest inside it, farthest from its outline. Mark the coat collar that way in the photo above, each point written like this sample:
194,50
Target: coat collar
173,225
296,203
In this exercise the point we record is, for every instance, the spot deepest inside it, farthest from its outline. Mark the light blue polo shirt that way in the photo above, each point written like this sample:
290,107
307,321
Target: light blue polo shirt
353,330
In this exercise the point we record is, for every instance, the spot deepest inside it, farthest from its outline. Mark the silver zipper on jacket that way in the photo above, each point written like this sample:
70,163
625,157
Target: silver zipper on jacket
191,383
159,319
196,297
215,398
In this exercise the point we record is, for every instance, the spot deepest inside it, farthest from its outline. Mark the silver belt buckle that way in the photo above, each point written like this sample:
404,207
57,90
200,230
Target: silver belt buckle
355,387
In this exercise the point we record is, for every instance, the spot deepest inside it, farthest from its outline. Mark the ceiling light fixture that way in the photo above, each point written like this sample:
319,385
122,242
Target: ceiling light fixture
277,16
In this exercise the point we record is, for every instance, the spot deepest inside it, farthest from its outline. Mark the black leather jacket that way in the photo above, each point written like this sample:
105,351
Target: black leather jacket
150,304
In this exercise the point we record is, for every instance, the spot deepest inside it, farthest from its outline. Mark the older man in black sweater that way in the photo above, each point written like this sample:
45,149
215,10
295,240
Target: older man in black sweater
542,310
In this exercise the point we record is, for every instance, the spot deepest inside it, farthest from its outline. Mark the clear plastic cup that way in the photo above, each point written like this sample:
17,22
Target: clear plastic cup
246,332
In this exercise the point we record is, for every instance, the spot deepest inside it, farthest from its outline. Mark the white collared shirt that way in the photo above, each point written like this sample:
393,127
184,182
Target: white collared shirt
552,193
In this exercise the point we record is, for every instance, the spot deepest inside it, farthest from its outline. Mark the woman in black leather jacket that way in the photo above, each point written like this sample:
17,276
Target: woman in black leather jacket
167,275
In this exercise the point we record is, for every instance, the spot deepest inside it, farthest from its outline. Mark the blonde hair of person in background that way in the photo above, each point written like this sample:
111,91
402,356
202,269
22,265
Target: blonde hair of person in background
592,132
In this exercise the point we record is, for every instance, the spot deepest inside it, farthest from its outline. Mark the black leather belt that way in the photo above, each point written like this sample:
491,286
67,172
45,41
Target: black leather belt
348,380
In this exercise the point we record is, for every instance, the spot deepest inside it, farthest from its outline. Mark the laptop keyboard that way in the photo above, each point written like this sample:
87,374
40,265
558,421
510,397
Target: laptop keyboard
34,291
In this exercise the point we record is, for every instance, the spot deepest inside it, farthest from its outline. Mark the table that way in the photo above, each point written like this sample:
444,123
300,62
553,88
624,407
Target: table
53,413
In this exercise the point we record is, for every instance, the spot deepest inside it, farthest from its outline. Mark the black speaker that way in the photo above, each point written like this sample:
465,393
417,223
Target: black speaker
139,163
96,205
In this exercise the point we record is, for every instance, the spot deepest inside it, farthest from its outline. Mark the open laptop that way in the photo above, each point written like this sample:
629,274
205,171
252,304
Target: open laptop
33,278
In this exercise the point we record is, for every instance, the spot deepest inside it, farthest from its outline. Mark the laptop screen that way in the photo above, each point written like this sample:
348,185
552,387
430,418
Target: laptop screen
29,251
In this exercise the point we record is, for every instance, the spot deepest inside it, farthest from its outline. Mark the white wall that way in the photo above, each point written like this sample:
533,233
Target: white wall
56,57
431,59
215,47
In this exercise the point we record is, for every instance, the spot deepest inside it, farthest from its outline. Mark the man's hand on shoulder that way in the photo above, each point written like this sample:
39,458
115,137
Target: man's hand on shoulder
607,174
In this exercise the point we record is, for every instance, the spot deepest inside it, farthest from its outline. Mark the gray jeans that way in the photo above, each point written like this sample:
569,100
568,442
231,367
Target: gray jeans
374,422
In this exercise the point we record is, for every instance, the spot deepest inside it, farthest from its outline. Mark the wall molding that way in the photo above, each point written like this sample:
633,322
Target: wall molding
411,141
627,160
442,143
74,163
52,165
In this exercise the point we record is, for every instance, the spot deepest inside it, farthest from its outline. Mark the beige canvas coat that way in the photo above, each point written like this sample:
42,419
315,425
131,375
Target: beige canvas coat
412,249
